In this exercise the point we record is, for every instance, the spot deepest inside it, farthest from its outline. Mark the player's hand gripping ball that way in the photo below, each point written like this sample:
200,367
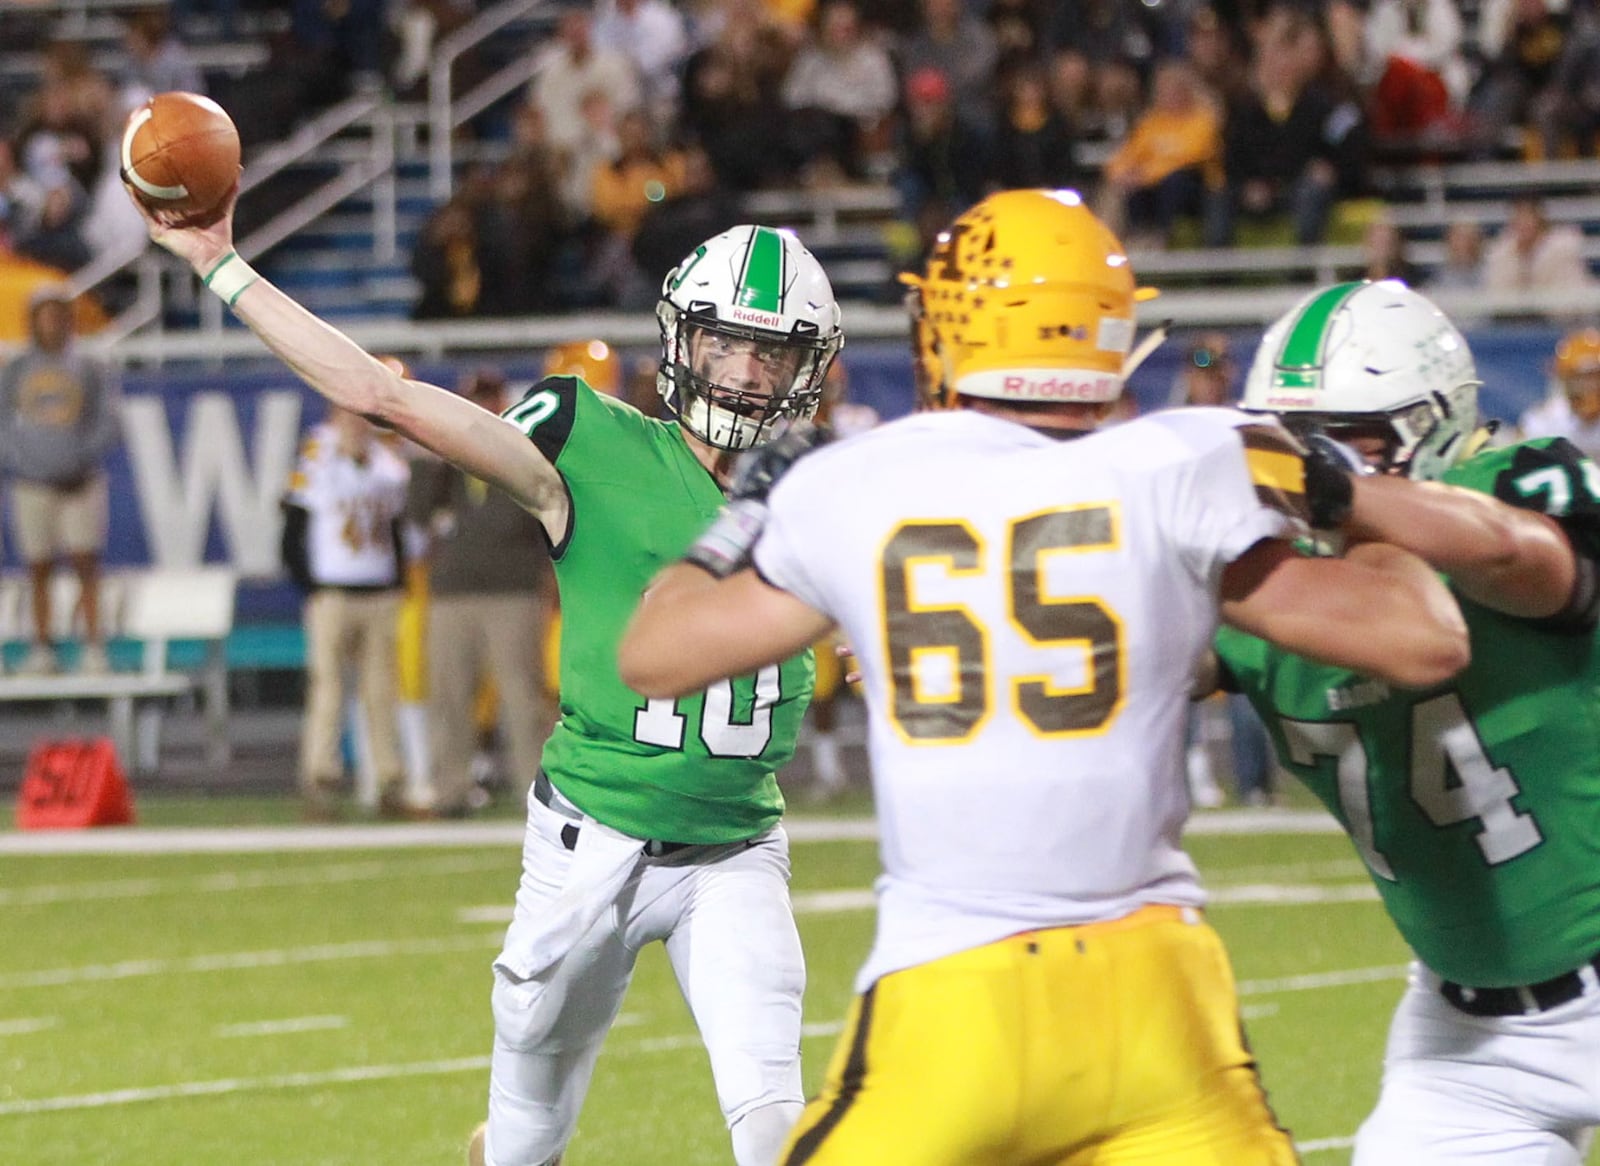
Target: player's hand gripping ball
180,157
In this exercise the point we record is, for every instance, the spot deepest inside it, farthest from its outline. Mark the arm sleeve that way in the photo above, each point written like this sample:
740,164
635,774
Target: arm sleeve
547,413
1555,478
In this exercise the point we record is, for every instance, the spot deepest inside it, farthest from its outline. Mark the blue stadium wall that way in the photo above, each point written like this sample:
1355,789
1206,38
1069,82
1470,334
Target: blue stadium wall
206,453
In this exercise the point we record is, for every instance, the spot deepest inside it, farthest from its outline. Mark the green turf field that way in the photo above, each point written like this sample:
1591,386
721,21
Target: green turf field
331,1006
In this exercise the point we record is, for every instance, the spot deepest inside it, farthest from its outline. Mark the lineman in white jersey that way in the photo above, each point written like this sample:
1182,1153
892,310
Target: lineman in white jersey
1027,613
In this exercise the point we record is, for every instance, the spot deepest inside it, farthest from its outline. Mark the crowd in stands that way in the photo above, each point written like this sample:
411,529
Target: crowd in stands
647,121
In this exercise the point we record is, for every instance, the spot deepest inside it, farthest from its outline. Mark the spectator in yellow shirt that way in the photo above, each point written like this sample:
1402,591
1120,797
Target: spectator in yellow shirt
1163,167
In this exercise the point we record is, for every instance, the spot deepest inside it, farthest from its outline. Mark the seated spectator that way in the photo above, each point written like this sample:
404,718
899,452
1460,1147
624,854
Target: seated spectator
652,36
56,238
1383,250
345,39
1216,51
624,191
1572,408
582,158
60,140
1034,144
961,48
1163,168
22,199
731,101
639,176
1415,65
1462,269
941,157
840,91
570,68
1531,254
520,227
156,61
1107,34
1522,42
1018,29
446,262
1289,144
700,208
1566,116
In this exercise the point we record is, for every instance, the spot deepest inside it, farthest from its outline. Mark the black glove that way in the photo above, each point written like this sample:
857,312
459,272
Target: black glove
1329,467
725,546
759,469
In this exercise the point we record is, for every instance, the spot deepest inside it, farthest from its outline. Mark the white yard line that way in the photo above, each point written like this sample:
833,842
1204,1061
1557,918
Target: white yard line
352,1074
1316,981
1321,1145
234,961
1282,895
357,1074
806,903
285,839
280,1027
251,880
24,1025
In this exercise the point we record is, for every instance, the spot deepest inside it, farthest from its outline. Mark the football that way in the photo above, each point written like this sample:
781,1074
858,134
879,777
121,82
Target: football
180,153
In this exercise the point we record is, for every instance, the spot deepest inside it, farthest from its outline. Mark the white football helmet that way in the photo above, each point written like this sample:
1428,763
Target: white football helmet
1371,359
749,327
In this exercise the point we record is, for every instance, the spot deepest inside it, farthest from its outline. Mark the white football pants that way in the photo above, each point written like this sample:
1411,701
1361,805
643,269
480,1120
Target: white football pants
724,914
1501,1090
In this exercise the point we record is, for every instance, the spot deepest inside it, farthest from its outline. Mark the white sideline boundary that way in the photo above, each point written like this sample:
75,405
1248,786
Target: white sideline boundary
290,839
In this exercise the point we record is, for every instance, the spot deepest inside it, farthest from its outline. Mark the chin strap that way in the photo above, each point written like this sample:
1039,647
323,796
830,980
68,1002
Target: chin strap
1153,340
1479,438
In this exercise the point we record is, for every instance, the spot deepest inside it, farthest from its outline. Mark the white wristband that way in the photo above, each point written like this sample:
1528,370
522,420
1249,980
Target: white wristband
230,277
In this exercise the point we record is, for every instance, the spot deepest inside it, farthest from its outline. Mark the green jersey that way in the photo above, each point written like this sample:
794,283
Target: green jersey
698,769
1475,804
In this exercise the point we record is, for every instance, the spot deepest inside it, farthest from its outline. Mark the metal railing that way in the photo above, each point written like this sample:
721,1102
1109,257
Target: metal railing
446,114
376,169
430,340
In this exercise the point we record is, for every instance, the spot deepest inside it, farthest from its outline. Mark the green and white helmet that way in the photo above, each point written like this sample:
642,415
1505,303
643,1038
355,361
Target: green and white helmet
755,293
1371,359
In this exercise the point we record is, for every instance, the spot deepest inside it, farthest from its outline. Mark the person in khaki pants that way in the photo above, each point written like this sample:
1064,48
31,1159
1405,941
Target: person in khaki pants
491,589
341,543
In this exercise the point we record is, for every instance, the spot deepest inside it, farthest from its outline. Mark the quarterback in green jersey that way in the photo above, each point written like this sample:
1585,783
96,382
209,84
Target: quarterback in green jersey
1475,804
651,819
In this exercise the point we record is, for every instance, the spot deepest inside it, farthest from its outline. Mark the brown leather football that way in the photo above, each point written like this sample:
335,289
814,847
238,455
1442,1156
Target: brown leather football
180,153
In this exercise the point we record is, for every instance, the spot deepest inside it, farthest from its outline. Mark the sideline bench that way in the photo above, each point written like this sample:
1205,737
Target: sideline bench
145,613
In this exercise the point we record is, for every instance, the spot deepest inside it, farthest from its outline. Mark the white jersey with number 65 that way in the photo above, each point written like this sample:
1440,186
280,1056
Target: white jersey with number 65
1027,612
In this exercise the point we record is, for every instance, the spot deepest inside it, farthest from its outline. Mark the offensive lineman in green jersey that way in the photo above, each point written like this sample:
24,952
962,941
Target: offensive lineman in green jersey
1475,804
651,820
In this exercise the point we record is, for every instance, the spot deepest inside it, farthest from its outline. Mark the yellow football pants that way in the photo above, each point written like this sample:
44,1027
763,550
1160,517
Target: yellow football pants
1103,1045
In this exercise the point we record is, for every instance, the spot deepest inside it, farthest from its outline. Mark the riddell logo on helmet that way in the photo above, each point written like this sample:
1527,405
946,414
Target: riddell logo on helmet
1058,388
1290,400
753,316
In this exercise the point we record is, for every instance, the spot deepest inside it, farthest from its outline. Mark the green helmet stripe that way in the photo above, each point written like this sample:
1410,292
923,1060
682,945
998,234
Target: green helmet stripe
683,272
1299,363
761,281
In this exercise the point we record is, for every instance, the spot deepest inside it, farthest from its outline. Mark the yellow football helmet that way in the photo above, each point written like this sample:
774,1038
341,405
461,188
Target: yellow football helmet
593,360
1578,353
1026,297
